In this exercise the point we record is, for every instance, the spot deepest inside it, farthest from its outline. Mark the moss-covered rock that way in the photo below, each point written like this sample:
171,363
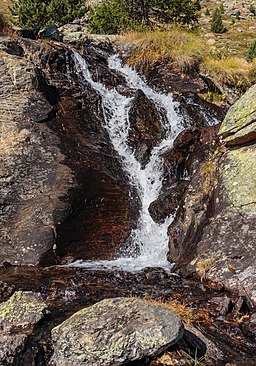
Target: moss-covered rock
18,316
239,125
21,312
239,178
114,332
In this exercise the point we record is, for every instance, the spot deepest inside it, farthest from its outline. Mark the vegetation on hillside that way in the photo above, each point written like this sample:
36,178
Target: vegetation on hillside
116,16
187,51
29,13
217,25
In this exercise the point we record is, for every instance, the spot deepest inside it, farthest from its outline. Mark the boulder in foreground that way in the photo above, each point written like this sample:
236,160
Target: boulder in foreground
114,332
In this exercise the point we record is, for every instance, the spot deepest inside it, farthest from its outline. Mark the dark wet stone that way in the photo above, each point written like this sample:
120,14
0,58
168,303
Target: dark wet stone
145,126
168,202
51,32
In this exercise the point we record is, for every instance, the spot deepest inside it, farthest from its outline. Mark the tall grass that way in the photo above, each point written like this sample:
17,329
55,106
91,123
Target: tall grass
184,49
230,71
186,52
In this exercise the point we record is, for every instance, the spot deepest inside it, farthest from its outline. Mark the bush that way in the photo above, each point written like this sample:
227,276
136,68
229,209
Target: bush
216,23
4,26
110,17
251,52
28,13
252,10
116,16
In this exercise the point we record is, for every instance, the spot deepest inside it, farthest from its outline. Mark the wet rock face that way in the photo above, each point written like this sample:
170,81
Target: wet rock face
115,332
18,316
32,176
145,126
59,172
214,231
167,203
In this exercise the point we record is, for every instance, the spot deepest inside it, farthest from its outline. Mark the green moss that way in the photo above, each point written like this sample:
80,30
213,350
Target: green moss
239,178
241,114
21,309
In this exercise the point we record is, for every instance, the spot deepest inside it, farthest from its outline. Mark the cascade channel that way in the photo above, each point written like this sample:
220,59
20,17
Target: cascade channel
148,242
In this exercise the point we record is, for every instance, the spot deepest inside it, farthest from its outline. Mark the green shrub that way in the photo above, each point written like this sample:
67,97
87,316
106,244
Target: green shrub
252,10
216,23
116,16
251,52
110,17
28,13
237,15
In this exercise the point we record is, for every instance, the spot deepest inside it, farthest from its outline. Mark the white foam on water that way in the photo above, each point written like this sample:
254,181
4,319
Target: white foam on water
149,241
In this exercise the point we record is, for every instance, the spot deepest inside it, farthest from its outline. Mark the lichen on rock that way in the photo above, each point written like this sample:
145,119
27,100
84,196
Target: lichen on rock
113,332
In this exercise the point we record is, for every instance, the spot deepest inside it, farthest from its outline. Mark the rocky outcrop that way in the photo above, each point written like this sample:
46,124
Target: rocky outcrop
62,187
239,126
33,178
168,202
115,332
145,126
214,231
18,316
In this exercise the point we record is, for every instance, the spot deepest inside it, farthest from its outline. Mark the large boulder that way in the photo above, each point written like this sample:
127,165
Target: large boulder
239,125
114,332
18,317
214,232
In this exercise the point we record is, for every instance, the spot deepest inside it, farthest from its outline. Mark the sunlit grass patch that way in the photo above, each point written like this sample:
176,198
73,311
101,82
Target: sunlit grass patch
232,71
184,49
186,312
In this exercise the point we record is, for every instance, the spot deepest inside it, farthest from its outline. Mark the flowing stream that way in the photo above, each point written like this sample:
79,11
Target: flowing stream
149,241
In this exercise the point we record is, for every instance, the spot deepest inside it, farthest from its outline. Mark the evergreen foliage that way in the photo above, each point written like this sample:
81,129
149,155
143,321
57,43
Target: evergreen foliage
110,17
115,16
28,13
216,23
252,10
251,52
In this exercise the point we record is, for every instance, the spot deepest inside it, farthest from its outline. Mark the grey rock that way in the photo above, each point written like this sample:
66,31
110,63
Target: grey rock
18,316
21,312
114,332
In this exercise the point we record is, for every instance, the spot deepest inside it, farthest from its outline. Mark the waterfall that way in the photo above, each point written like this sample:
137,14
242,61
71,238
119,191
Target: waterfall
149,239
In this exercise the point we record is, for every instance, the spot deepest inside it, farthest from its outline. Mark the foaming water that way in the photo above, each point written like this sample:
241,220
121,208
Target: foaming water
149,241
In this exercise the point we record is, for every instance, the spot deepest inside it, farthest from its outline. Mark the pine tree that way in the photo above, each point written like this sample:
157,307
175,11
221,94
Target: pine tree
216,23
251,52
29,13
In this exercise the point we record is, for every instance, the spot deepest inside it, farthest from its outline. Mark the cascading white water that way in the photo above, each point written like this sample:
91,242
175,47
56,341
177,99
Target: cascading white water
149,237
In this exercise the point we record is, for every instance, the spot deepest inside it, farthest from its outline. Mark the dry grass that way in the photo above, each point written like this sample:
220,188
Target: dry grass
186,312
4,6
231,71
184,49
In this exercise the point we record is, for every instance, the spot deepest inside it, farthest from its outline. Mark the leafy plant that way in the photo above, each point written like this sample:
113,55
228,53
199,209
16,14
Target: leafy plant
216,23
29,13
